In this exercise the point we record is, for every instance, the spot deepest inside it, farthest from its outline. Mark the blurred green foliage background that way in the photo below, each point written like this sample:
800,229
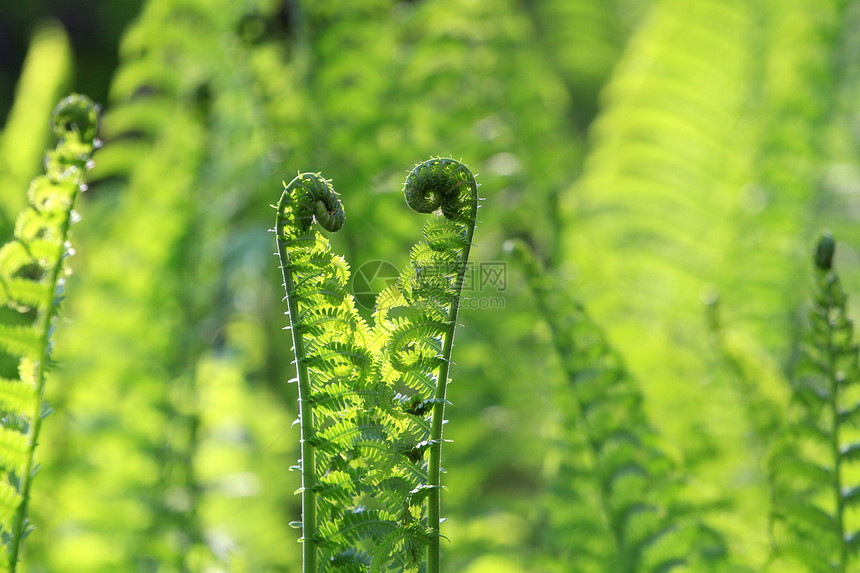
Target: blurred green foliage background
670,160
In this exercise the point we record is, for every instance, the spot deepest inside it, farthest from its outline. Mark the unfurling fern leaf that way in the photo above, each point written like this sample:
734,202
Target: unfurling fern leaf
333,365
371,402
348,433
415,330
813,471
32,269
615,492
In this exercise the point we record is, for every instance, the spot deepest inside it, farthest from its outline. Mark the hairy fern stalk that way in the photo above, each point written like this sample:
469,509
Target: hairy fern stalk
372,400
32,269
813,468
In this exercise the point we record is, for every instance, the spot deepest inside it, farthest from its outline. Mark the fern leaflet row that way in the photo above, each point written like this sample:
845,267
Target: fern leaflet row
32,277
813,467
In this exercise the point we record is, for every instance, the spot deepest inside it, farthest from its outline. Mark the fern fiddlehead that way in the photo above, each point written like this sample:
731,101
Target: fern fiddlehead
458,191
31,284
318,202
814,485
420,341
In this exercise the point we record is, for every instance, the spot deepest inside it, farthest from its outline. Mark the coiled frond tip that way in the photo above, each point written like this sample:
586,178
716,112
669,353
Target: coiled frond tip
824,251
76,114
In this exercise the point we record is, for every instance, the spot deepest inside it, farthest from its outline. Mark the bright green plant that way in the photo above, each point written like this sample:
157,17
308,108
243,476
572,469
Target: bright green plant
32,276
724,129
813,469
372,400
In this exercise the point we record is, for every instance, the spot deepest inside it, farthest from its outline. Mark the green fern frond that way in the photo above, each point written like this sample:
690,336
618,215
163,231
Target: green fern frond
415,329
644,526
668,202
147,201
32,271
813,467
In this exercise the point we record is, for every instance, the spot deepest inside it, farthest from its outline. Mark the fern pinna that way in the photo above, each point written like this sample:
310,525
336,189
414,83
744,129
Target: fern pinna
613,488
815,478
372,401
32,276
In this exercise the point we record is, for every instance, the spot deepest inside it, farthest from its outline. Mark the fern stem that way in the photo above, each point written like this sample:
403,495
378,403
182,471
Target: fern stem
834,441
827,279
50,304
309,524
434,470
434,474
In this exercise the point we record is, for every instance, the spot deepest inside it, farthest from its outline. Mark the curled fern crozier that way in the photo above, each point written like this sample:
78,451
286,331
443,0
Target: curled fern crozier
443,183
418,328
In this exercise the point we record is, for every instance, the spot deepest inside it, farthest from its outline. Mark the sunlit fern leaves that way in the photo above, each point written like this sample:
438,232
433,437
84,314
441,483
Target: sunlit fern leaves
813,469
648,208
615,500
32,277
191,143
704,169
644,228
371,401
803,61
431,284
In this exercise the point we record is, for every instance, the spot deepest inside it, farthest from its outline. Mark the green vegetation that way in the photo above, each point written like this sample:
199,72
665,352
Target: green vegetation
814,484
645,518
645,377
